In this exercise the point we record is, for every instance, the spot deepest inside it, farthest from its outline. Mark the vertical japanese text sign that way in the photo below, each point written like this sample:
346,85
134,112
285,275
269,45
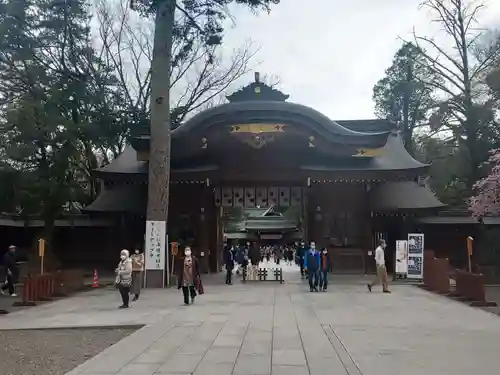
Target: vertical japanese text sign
155,245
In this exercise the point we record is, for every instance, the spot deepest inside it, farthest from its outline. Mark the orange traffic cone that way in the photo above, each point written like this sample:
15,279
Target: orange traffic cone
95,281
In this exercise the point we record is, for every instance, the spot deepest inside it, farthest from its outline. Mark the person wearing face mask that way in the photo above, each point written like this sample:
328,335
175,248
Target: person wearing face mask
137,269
189,276
323,270
124,277
381,277
312,266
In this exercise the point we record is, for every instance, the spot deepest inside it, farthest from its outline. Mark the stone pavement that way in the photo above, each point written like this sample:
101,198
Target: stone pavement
268,328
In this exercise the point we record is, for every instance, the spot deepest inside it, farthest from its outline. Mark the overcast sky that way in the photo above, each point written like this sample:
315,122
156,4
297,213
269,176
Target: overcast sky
328,54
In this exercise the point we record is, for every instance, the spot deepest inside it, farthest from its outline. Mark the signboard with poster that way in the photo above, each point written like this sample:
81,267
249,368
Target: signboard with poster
415,256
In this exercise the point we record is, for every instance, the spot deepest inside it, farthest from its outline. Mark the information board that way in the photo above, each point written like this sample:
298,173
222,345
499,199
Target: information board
415,256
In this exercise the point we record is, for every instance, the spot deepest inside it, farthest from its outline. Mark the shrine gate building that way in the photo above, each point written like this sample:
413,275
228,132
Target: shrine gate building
261,168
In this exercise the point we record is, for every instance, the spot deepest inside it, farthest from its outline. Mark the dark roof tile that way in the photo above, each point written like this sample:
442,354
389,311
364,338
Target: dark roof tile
403,195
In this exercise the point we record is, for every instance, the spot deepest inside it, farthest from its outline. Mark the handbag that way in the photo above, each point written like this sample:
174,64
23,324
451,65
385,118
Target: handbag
199,286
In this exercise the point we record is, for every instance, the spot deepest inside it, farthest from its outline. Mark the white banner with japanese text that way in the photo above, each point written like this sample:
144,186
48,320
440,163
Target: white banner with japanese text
155,245
402,257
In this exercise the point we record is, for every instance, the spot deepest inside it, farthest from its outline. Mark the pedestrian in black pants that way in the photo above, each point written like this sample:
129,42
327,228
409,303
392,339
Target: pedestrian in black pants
188,276
312,265
229,266
323,270
125,294
11,271
299,255
123,279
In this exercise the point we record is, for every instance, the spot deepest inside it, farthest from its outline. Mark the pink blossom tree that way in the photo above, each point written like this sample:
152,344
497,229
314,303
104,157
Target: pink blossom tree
487,199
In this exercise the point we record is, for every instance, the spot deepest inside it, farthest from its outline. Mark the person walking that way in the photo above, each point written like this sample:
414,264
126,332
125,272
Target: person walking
278,254
381,277
229,266
254,257
323,270
137,269
11,271
124,277
244,264
299,256
289,252
189,276
312,266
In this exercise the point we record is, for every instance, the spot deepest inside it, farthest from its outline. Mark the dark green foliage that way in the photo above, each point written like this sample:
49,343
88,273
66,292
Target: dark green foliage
405,94
199,20
51,88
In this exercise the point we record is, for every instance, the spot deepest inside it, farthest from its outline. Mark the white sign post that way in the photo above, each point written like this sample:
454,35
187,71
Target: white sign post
415,256
402,258
155,247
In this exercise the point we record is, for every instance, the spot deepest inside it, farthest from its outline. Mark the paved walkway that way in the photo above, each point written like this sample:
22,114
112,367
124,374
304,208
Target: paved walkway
262,329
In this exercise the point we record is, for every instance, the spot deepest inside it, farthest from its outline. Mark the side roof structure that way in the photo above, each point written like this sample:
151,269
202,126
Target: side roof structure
403,195
393,157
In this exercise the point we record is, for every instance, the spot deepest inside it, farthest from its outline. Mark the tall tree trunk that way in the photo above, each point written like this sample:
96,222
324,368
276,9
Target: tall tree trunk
470,122
408,90
159,158
159,148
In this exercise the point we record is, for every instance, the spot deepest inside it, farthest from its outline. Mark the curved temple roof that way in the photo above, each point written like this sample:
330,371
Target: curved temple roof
393,157
403,195
279,112
127,164
120,199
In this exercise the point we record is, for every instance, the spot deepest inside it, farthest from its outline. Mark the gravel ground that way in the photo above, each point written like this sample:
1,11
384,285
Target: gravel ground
53,352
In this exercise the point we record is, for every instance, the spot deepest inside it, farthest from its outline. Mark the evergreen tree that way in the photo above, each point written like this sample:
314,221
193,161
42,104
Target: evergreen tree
404,94
46,66
203,18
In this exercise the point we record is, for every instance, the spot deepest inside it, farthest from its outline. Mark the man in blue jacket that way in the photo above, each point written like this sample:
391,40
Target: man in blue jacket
312,262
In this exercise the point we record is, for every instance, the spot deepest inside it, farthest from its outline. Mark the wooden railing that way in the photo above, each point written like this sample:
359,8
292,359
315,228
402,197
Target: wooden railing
47,286
469,286
436,274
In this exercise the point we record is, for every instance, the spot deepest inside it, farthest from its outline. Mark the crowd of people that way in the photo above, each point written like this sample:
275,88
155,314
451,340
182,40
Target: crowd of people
314,263
129,276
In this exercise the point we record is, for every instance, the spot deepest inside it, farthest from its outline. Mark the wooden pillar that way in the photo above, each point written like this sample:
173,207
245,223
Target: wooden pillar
315,216
367,236
204,231
216,253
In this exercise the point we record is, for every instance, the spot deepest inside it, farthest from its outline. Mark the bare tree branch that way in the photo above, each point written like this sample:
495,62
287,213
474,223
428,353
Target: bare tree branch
198,74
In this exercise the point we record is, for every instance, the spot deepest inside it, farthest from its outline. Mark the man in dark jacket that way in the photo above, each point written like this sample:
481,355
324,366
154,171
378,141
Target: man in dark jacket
300,255
11,270
312,262
229,265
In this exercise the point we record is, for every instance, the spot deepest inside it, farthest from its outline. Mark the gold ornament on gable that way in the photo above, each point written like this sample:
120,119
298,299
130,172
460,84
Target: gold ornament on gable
257,128
368,152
